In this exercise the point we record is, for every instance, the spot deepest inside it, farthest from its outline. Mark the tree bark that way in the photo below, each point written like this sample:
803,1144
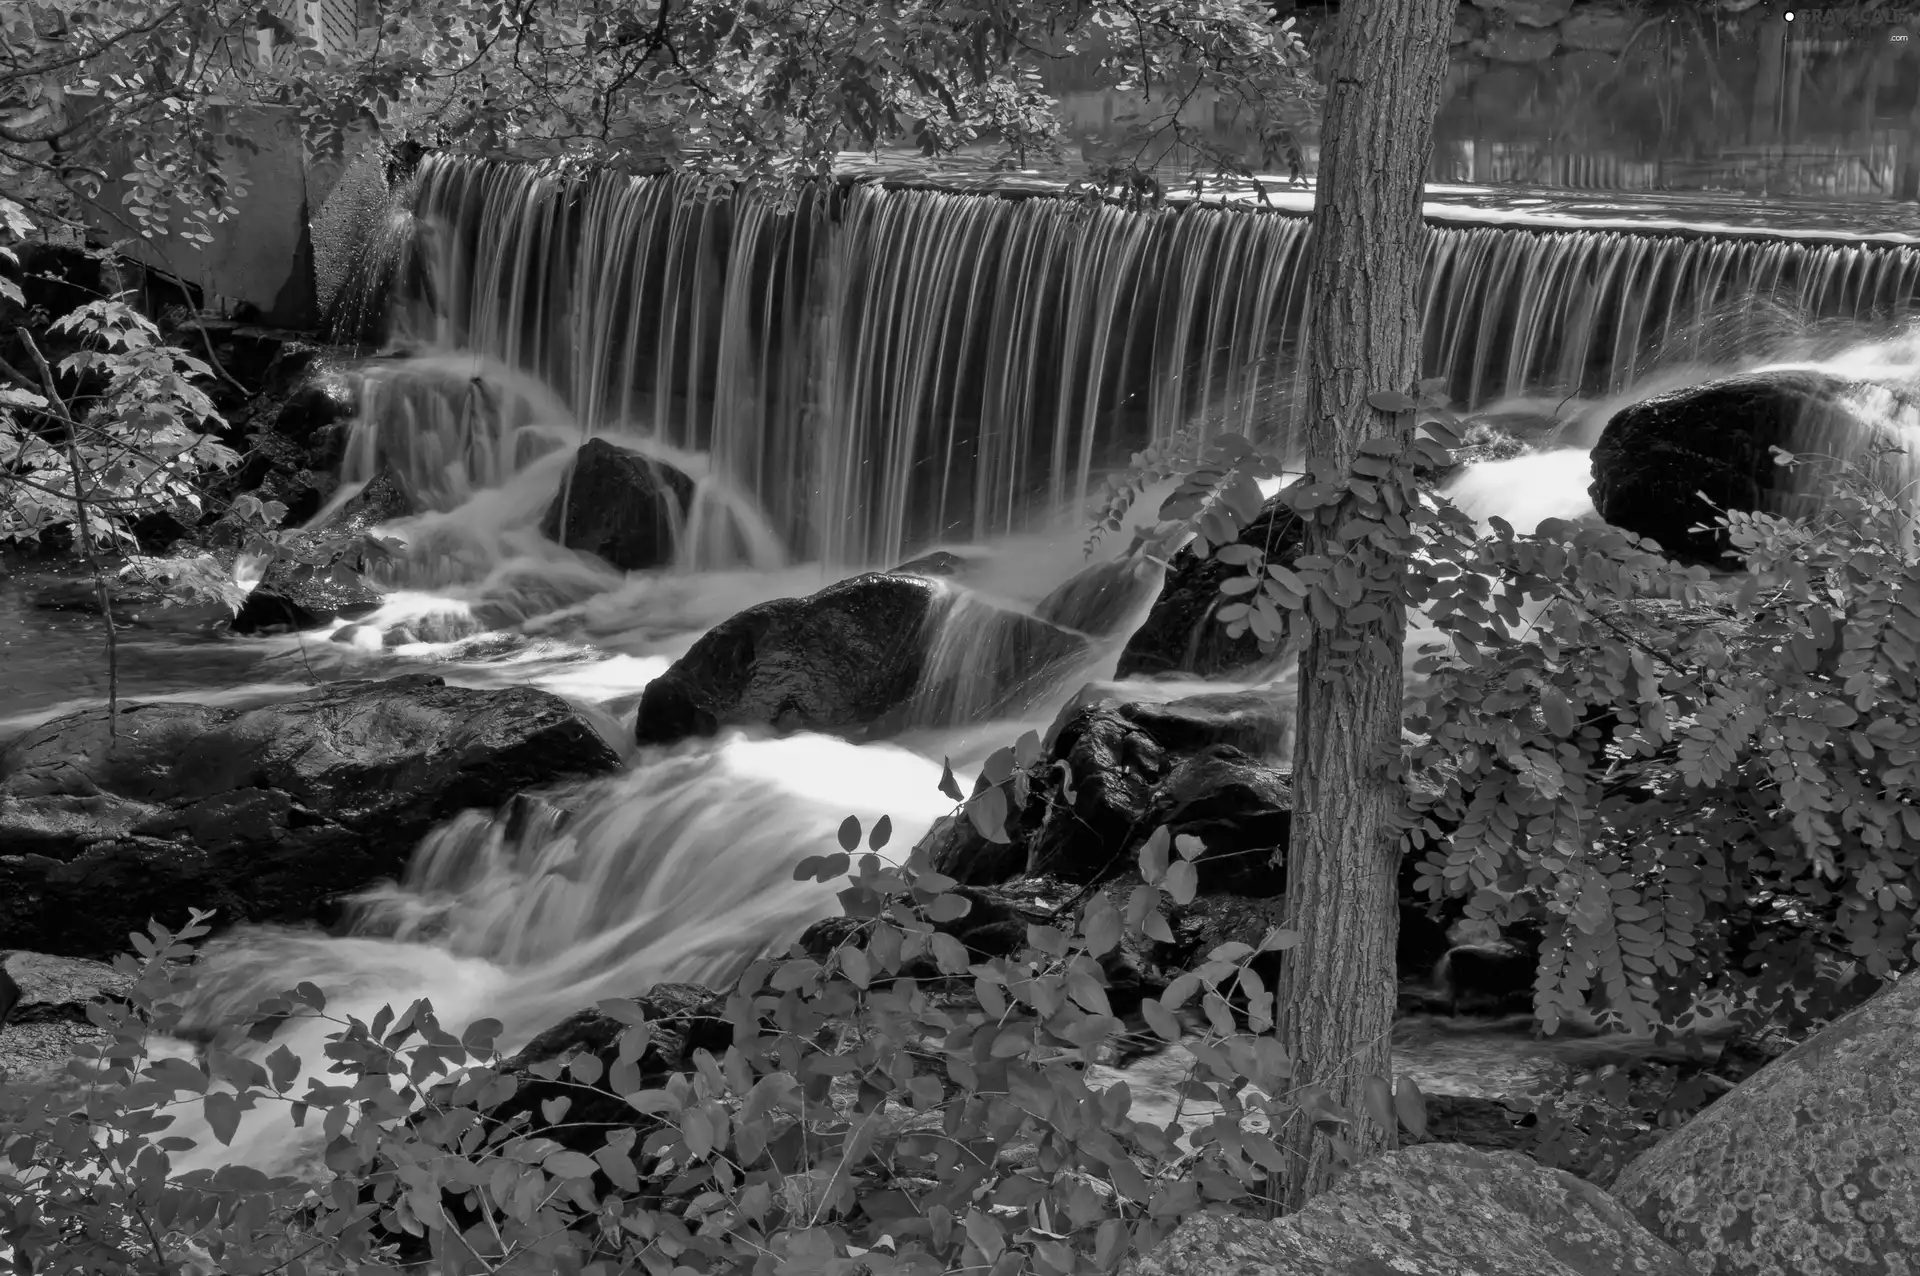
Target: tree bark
1337,994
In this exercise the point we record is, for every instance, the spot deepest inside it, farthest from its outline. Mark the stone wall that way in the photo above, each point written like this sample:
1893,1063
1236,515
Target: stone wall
260,259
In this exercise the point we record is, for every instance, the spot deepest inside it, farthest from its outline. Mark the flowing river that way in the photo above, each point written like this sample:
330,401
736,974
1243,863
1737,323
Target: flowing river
680,867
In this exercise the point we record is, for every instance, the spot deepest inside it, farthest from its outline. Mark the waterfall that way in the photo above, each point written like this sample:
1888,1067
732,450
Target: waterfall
678,870
879,368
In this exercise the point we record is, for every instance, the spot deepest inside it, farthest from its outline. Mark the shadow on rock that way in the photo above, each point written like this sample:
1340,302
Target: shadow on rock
263,814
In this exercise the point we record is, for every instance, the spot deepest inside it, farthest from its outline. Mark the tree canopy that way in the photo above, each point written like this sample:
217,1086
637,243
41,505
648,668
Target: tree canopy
768,91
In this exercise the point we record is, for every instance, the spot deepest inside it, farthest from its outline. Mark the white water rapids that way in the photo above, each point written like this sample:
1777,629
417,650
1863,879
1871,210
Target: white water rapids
679,868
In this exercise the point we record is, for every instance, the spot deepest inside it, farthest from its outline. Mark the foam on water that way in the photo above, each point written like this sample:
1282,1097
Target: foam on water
680,868
1527,489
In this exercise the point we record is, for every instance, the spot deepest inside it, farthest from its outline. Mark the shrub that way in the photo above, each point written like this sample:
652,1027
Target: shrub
892,1105
1705,788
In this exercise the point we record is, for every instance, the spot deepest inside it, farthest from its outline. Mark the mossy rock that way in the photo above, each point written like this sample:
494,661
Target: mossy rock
1435,1210
1811,1167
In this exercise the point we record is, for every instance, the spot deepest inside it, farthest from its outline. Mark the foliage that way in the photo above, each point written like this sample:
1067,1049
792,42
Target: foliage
133,440
895,1104
1725,785
1707,788
98,92
122,429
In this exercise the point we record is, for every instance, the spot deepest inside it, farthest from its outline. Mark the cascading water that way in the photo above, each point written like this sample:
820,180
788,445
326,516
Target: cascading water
680,869
877,373
880,368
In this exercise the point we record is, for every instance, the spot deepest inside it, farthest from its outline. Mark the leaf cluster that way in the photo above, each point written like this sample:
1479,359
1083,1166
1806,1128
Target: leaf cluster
895,1103
769,92
1705,787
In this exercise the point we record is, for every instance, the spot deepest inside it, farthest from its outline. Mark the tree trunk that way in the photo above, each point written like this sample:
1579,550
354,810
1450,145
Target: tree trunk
1388,62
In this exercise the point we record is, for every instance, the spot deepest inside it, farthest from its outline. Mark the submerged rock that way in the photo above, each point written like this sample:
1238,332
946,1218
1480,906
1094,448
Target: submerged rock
264,814
941,564
1655,456
620,506
1435,1210
1811,1167
1181,636
858,659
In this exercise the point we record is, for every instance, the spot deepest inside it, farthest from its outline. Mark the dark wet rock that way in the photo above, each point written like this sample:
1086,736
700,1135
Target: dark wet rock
299,594
620,506
1255,722
1242,811
318,403
1811,1167
1603,27
264,813
1434,1210
1101,599
287,406
254,359
680,1018
1181,636
1114,772
1654,456
1477,1122
838,661
955,846
1495,977
1208,922
859,658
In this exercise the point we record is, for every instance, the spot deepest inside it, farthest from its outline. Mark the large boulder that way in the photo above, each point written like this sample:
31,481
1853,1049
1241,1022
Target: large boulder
1435,1210
1811,1167
263,814
1655,456
861,658
620,506
1115,771
1181,636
